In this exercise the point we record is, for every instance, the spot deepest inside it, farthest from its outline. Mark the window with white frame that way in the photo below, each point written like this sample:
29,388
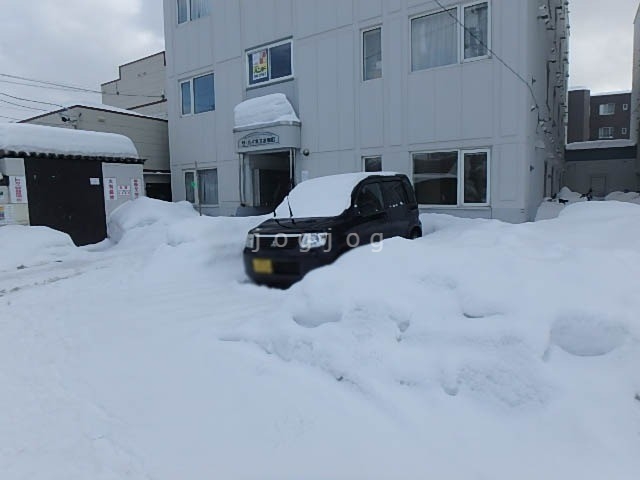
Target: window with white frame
476,30
372,54
435,37
189,10
605,133
452,178
608,109
270,63
198,94
201,186
208,186
372,164
624,131
625,106
190,186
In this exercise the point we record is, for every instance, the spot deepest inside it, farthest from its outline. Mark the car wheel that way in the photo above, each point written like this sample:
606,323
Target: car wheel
415,233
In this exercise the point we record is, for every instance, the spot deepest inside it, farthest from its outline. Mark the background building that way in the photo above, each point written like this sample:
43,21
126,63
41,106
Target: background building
605,116
467,98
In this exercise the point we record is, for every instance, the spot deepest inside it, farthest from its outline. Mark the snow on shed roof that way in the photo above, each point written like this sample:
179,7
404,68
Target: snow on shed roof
597,144
265,110
92,106
21,138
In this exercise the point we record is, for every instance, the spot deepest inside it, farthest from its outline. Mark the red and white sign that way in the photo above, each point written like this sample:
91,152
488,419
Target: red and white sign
18,190
110,186
124,190
136,188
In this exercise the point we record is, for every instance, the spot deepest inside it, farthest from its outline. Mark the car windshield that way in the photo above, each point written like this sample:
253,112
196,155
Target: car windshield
322,197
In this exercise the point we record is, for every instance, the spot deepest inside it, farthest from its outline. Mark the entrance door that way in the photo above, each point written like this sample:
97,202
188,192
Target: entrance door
598,185
270,175
67,195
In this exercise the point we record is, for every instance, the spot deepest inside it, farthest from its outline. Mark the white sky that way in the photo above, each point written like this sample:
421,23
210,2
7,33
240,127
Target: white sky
82,42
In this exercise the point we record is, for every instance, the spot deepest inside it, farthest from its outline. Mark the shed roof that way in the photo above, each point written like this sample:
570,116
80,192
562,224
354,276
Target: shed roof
25,140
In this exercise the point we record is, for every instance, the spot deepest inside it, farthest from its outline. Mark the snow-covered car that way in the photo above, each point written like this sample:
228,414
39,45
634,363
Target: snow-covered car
323,218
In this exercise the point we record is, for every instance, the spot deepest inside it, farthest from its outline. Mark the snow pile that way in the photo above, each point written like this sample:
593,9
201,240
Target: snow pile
472,352
22,246
630,197
264,110
22,137
323,196
551,207
144,212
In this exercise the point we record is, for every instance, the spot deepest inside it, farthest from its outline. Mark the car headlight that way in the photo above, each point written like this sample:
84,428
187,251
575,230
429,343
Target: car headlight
250,242
313,240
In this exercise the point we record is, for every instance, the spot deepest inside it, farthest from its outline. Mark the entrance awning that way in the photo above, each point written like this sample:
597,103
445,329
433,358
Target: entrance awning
266,123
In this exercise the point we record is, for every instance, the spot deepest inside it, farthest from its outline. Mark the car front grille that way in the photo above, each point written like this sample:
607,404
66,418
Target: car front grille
278,242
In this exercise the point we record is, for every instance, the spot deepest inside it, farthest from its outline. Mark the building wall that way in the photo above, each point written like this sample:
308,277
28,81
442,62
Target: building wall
471,105
140,83
620,120
149,135
616,175
578,127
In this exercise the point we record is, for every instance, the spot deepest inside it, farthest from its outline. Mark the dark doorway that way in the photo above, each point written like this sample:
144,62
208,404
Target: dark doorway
274,186
67,195
160,191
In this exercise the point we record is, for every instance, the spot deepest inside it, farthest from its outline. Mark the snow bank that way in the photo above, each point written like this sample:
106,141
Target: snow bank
551,207
323,196
144,212
263,110
630,197
22,246
22,137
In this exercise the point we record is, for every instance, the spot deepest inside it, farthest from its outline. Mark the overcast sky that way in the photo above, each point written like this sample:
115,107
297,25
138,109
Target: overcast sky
82,42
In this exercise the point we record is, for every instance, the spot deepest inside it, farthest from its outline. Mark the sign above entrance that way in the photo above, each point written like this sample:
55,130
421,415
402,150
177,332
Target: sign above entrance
258,140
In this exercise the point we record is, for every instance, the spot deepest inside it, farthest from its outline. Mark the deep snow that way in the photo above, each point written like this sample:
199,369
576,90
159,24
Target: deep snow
481,351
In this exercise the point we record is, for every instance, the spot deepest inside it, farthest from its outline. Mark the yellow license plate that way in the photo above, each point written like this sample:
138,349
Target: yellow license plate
263,266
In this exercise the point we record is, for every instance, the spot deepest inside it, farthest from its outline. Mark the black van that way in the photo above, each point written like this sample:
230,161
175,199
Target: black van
323,218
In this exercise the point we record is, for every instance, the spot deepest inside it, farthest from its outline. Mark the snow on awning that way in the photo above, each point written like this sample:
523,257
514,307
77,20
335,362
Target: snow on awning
21,139
266,110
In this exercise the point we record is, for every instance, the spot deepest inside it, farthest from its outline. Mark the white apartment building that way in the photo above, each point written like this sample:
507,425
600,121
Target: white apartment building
466,98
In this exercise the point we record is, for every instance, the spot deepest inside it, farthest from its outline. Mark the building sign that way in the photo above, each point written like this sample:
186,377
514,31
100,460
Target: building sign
260,66
18,189
110,186
136,188
94,181
259,139
124,190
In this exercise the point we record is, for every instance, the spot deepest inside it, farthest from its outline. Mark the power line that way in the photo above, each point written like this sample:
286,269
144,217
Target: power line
32,101
496,56
23,106
73,88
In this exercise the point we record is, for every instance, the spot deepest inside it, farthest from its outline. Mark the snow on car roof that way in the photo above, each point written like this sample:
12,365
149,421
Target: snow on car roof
39,139
327,196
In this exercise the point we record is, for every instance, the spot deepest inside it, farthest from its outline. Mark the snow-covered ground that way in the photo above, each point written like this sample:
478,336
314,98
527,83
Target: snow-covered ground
481,351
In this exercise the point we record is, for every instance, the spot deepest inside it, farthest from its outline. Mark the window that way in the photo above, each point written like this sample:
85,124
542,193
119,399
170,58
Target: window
435,37
394,194
183,11
193,9
198,94
270,63
605,132
372,54
476,166
452,178
190,186
208,187
369,200
476,31
372,164
201,187
625,106
608,109
624,131
434,40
